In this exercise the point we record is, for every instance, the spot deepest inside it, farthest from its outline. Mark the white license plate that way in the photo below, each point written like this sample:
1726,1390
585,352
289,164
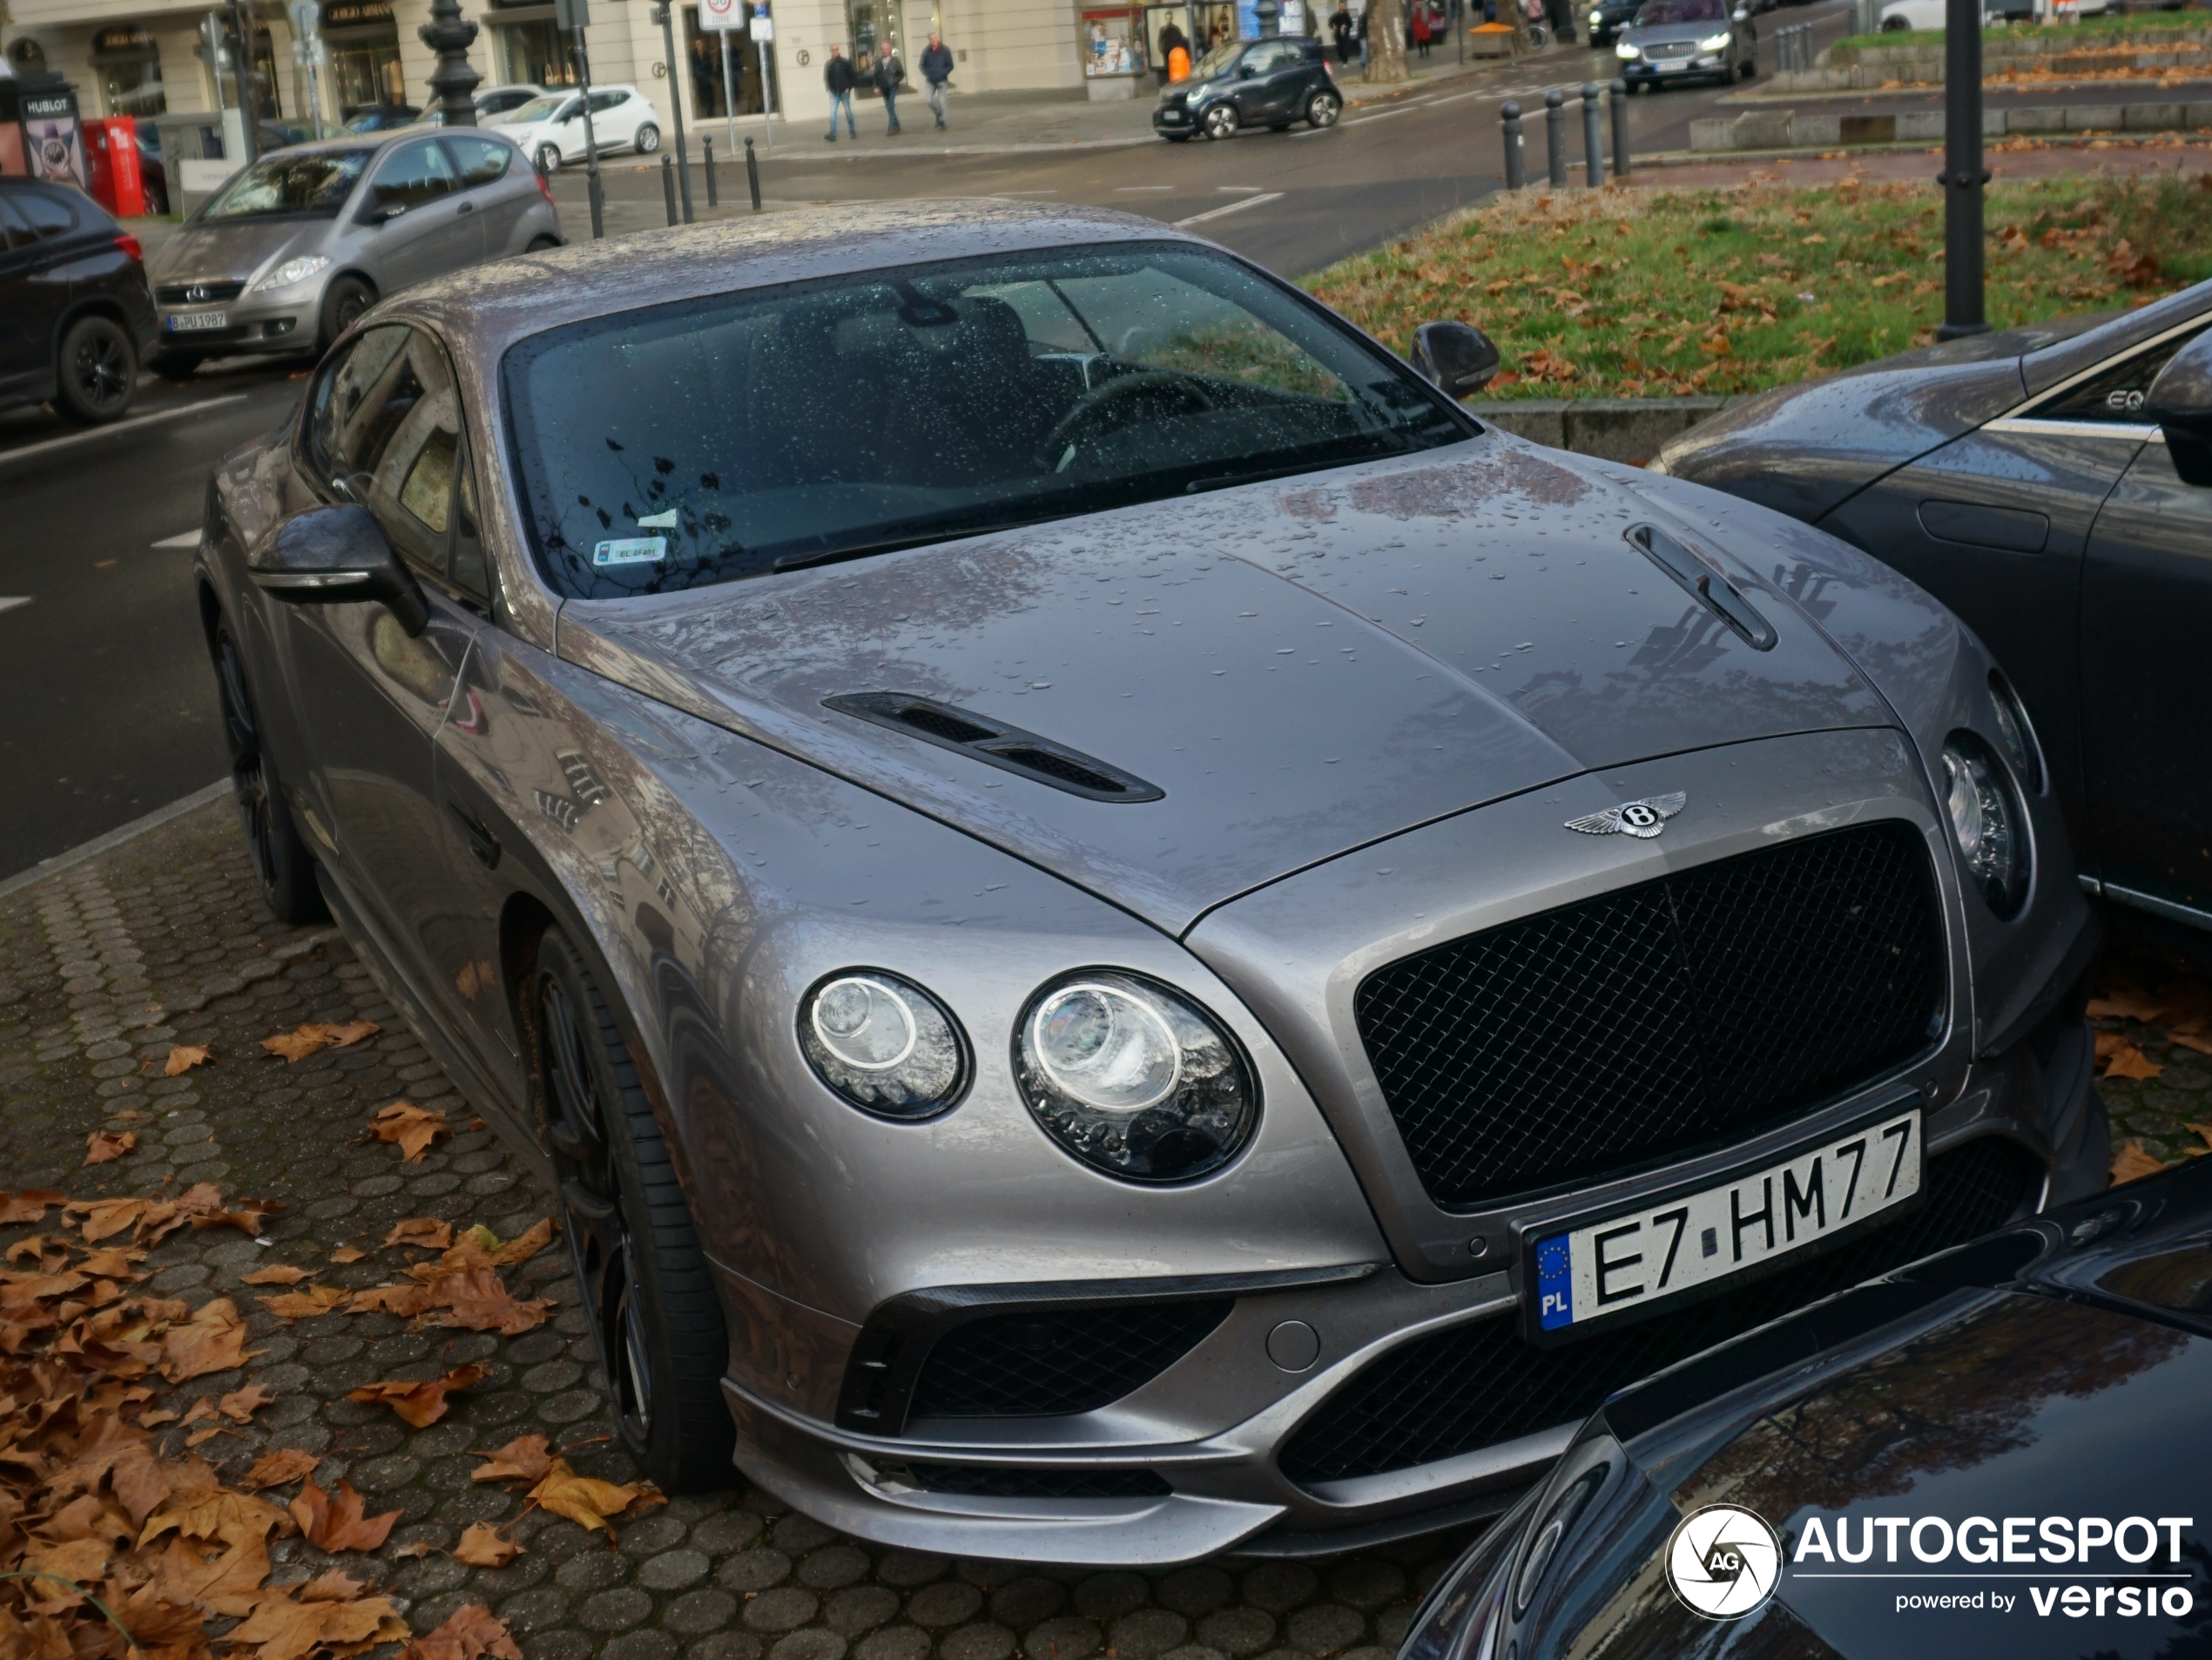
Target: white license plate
184,322
1625,1264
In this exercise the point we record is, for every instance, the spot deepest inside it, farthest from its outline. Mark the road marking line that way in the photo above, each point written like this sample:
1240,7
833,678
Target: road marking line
120,425
1131,189
9,602
1238,189
189,539
1005,195
1232,207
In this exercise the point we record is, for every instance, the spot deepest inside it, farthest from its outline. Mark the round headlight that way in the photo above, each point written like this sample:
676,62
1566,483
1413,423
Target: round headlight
1985,819
2017,736
883,1044
1134,1079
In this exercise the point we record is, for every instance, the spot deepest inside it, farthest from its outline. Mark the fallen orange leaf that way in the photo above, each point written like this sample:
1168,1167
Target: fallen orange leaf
347,1254
276,1273
2131,1162
588,1502
240,1405
30,1205
101,1148
484,1546
334,1521
427,1231
2125,1003
184,1057
470,1633
213,1341
304,1040
307,1303
280,1469
408,1127
405,1298
527,1458
420,1404
477,1299
281,1628
2203,1133
2123,1059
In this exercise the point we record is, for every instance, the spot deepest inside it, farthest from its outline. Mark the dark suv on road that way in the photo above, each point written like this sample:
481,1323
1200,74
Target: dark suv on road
76,317
1250,84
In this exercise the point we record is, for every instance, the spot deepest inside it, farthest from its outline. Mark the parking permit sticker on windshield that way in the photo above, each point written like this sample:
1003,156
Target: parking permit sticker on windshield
631,551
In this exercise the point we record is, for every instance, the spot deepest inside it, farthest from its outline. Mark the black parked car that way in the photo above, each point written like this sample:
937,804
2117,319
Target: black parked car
1250,83
2008,1438
76,317
2043,483
1610,17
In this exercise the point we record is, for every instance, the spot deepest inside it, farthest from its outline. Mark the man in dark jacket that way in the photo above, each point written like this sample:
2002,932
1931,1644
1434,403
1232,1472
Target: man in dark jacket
936,70
889,71
1340,26
836,75
1170,37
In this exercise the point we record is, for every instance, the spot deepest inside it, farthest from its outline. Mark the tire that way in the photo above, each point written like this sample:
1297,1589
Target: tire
539,244
342,302
1177,138
646,1289
1894,25
281,861
648,139
1323,108
175,366
549,159
1221,121
96,374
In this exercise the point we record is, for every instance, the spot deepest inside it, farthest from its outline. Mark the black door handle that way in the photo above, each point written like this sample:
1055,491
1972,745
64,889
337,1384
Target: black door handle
481,842
465,207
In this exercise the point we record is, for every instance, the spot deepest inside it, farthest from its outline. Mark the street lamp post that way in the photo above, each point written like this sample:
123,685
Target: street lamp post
450,35
1963,174
249,107
663,16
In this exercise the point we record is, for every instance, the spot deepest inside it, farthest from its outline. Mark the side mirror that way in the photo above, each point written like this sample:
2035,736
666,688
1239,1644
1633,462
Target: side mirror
1457,358
2180,400
336,556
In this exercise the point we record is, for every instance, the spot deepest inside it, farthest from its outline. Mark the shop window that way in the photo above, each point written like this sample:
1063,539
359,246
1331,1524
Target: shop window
536,52
126,60
1113,43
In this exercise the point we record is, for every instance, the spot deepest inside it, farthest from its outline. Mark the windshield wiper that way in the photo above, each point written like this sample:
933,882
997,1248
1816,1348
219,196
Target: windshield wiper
1398,444
888,545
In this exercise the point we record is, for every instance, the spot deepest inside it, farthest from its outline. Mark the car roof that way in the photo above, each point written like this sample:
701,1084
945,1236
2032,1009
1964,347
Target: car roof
486,309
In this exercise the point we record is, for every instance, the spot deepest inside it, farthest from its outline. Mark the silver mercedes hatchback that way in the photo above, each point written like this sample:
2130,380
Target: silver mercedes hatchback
297,245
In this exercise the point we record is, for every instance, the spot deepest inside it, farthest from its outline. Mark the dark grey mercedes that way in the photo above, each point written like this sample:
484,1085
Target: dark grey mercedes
1125,933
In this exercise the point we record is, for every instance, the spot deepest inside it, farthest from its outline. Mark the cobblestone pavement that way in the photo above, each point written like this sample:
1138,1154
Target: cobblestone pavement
164,941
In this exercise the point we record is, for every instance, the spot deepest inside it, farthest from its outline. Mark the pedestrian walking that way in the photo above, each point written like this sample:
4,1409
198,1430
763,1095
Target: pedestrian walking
837,77
1362,34
1340,26
936,70
1421,31
889,71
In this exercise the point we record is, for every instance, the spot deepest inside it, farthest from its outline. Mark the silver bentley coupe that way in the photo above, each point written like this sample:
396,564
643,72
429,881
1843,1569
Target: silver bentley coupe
1125,933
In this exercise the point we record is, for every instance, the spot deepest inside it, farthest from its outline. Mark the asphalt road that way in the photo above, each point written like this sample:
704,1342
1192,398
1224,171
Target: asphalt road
111,705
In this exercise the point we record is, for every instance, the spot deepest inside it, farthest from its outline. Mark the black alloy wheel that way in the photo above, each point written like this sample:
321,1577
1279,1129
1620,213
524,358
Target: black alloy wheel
99,371
280,858
643,1276
1323,108
342,304
1221,121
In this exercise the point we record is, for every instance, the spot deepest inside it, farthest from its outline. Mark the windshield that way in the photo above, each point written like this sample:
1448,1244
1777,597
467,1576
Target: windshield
719,439
1664,11
287,183
1217,61
536,110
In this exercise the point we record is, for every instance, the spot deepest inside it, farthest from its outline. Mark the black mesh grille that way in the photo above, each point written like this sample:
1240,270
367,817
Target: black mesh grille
1057,1360
1058,767
1660,1018
987,1481
941,723
1475,1385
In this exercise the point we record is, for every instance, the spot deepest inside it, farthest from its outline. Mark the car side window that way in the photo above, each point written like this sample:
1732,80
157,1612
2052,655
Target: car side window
1263,60
604,101
2116,391
471,571
413,174
47,215
387,424
15,233
481,160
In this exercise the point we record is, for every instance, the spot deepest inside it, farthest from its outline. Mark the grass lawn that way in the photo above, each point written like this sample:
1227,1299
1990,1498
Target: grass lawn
2088,35
1646,293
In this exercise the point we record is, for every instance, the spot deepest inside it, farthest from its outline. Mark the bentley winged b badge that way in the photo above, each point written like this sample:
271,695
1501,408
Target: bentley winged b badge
1643,820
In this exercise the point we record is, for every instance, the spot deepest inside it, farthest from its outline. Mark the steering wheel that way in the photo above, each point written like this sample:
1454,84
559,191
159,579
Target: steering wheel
1086,408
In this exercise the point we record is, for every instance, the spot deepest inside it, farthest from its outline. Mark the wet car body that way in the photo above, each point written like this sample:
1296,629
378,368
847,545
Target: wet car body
1268,83
2057,1369
951,1335
2014,476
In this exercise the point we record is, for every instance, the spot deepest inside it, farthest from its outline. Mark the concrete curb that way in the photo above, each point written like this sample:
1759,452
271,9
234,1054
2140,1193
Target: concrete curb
1788,130
115,837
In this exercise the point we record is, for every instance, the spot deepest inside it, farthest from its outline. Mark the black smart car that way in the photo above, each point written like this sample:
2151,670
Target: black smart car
76,317
1250,83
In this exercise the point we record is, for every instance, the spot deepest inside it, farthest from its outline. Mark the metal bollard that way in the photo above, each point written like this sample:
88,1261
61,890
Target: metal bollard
1516,175
1620,130
1593,145
752,174
711,199
598,205
1555,136
668,184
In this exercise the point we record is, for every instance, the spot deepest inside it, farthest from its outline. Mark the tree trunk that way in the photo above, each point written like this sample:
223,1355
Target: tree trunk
1386,40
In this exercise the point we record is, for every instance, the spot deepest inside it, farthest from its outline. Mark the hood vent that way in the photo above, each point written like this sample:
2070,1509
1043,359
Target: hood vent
996,743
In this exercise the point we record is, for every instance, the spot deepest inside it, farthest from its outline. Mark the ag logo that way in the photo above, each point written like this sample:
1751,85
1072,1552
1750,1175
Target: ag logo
1723,1562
